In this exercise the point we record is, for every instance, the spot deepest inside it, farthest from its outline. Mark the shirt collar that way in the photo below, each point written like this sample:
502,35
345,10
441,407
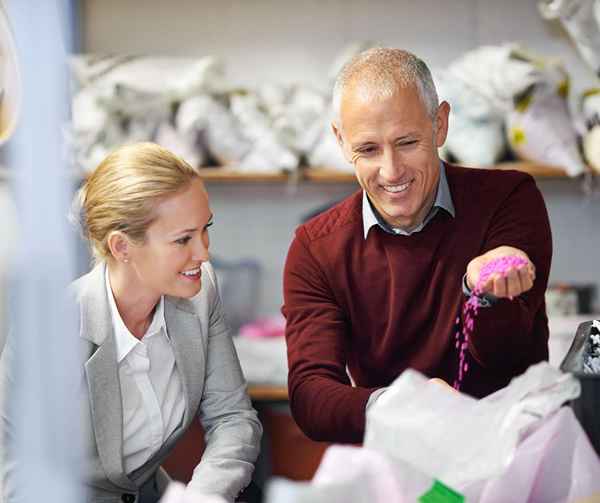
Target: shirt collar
443,200
125,340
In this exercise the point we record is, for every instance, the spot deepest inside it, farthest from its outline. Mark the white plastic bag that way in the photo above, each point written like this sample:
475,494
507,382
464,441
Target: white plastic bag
352,474
456,438
554,463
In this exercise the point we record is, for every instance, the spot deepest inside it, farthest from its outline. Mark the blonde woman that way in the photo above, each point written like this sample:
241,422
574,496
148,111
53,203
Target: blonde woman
157,352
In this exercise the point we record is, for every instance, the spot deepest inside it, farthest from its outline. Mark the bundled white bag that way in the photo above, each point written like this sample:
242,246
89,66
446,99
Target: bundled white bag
352,474
496,449
554,463
590,111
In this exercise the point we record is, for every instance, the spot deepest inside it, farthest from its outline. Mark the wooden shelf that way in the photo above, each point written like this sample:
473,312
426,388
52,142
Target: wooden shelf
534,169
324,175
265,393
231,175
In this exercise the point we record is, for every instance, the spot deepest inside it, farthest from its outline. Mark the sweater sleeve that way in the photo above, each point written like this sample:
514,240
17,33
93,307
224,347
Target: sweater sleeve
514,333
323,402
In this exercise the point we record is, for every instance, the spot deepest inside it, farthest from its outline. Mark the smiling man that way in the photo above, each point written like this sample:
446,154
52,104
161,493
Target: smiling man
376,284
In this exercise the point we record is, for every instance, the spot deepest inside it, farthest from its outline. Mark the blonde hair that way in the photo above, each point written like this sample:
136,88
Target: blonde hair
122,192
382,71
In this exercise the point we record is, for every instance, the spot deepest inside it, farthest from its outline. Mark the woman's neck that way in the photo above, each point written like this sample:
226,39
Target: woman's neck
135,303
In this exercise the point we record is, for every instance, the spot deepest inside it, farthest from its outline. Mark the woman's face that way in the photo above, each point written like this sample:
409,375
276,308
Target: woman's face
169,261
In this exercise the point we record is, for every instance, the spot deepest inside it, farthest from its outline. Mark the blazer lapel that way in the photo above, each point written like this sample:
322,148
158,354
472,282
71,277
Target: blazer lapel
102,378
186,336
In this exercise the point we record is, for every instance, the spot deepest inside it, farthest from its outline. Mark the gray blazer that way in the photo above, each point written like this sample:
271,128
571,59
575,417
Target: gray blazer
214,389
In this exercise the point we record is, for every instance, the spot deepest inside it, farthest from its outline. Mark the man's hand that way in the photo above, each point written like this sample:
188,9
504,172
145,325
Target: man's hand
517,280
440,382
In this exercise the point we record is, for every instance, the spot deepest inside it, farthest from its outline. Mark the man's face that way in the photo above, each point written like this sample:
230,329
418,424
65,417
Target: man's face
392,143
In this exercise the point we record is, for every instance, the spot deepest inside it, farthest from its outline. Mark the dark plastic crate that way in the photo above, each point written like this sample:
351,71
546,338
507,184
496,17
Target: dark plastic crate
587,406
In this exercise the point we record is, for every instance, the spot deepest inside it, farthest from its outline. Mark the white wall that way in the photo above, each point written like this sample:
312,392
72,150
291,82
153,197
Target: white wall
297,41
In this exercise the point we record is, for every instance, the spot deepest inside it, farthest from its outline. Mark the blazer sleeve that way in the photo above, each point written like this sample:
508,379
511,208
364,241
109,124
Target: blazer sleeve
233,431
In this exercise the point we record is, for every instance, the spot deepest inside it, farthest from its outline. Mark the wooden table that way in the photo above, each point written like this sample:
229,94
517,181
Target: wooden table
267,393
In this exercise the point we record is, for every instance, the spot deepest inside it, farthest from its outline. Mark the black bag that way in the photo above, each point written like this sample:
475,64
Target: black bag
587,406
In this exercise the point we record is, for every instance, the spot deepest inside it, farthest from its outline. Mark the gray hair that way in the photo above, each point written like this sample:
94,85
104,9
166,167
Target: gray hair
384,70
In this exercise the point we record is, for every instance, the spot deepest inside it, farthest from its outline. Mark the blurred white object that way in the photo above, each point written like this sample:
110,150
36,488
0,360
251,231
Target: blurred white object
591,148
263,360
480,86
221,133
354,475
554,462
10,82
581,18
268,152
122,99
476,129
184,145
456,438
543,133
178,493
561,300
493,75
177,77
8,246
296,112
326,152
540,127
590,111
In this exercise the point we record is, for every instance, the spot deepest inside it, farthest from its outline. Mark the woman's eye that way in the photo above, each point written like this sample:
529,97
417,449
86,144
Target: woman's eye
183,240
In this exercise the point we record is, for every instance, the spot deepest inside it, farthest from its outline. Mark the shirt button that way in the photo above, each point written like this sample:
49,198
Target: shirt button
128,498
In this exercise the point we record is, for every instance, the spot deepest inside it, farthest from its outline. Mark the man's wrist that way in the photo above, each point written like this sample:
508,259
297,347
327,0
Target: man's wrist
483,300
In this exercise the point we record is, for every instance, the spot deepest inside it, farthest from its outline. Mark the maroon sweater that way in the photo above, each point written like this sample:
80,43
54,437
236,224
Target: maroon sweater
390,302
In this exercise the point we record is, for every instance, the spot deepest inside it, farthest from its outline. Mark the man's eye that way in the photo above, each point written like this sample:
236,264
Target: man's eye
183,240
367,150
407,143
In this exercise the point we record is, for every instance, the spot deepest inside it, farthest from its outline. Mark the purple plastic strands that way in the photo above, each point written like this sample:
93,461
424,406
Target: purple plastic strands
499,266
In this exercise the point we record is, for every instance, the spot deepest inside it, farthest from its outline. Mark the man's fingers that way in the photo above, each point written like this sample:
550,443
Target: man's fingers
526,278
500,286
513,283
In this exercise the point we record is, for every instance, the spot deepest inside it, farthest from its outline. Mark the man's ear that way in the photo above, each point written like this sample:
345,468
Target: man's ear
338,136
441,129
119,246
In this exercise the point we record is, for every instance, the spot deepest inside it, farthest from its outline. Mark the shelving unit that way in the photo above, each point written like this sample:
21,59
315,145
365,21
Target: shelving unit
328,175
325,175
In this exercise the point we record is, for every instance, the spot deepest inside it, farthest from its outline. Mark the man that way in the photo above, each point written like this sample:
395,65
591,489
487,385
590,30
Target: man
376,284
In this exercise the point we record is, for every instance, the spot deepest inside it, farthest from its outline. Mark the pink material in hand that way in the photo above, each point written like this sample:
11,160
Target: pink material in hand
499,266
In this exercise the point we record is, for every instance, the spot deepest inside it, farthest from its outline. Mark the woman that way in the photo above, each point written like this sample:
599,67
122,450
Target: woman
158,353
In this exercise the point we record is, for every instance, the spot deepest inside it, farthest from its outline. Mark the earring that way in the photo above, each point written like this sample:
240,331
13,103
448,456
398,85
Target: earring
126,260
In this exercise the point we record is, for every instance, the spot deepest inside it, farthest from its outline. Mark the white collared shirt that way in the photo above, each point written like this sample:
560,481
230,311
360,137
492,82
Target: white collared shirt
151,390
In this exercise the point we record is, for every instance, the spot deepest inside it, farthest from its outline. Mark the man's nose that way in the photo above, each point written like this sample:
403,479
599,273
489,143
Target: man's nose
391,165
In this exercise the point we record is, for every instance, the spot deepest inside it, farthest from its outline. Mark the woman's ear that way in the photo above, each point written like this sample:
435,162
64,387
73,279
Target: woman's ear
119,246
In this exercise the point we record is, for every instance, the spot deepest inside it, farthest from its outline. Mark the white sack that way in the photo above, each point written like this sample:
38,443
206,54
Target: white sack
454,437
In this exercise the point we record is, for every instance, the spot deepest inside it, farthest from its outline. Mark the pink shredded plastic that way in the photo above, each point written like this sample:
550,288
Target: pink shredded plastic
499,266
